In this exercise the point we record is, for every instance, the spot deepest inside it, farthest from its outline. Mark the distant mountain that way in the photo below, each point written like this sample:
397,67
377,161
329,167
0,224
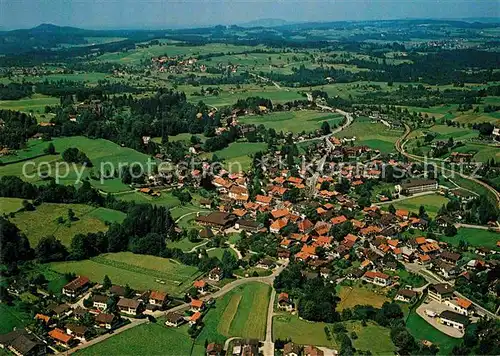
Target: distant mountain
265,23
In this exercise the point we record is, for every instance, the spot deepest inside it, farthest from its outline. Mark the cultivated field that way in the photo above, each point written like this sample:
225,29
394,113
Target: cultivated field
293,121
286,325
139,271
43,221
242,312
148,339
352,296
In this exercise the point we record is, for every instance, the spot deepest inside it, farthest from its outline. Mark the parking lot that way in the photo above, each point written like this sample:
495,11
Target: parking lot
437,308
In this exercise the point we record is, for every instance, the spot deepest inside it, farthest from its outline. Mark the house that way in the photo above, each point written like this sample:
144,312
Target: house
195,318
61,310
460,305
263,200
450,257
311,350
265,263
174,319
60,337
22,343
158,298
455,320
277,225
216,274
118,290
196,305
44,318
79,332
129,306
205,203
445,269
75,287
100,301
406,295
214,349
217,219
200,285
417,185
107,321
284,302
206,233
248,225
377,278
291,349
440,292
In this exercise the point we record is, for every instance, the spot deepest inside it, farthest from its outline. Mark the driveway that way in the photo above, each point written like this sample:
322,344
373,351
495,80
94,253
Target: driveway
438,308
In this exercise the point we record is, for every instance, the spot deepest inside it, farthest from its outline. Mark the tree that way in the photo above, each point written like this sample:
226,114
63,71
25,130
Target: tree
51,149
71,215
228,264
392,209
50,249
106,283
325,128
450,230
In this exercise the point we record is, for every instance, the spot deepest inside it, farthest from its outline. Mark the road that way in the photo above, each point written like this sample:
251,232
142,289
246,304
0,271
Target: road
349,121
400,148
268,343
405,198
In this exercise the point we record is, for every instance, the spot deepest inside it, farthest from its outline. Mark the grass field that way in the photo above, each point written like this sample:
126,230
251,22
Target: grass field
241,312
165,199
474,237
148,339
302,332
236,156
372,337
12,317
43,221
104,154
431,202
10,205
422,330
352,296
293,121
374,135
218,252
35,104
139,271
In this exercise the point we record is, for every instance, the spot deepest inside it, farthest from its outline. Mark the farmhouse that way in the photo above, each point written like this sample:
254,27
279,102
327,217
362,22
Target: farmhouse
99,301
284,302
248,225
158,298
200,285
215,274
217,219
196,305
455,320
311,350
174,319
20,342
291,349
460,305
195,318
440,292
418,186
76,286
214,349
129,306
79,332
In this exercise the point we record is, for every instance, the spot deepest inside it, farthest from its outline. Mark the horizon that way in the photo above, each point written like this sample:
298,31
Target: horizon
127,14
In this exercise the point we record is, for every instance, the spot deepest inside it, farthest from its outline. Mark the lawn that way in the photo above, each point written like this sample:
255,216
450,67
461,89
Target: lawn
431,202
367,336
474,237
148,339
422,330
374,135
218,252
293,121
43,221
367,295
286,325
141,272
241,312
10,205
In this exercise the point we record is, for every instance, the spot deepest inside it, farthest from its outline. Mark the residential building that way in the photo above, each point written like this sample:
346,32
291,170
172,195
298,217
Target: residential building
79,332
406,295
291,349
284,302
440,292
417,186
217,219
76,286
107,321
377,278
22,343
460,305
196,305
60,337
159,299
174,319
129,306
216,274
214,349
455,320
100,301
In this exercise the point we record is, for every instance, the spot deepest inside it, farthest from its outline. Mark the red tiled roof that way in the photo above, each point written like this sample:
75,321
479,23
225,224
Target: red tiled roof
60,335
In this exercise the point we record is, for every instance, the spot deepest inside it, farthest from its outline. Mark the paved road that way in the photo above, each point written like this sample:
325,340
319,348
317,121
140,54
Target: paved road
480,227
349,121
268,343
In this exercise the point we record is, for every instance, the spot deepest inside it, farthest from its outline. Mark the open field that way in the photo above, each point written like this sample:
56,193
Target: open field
422,330
352,296
286,325
43,221
474,237
12,317
10,205
218,252
242,312
139,271
35,104
374,135
148,339
236,156
372,337
103,154
165,199
431,202
293,121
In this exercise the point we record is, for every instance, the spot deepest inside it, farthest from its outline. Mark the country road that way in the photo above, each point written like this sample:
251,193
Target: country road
268,343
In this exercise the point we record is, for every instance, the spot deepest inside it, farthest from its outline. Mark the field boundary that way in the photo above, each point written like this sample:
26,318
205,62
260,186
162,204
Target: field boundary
230,312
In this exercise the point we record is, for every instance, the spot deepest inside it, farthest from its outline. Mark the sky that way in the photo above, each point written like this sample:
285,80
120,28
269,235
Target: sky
98,14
